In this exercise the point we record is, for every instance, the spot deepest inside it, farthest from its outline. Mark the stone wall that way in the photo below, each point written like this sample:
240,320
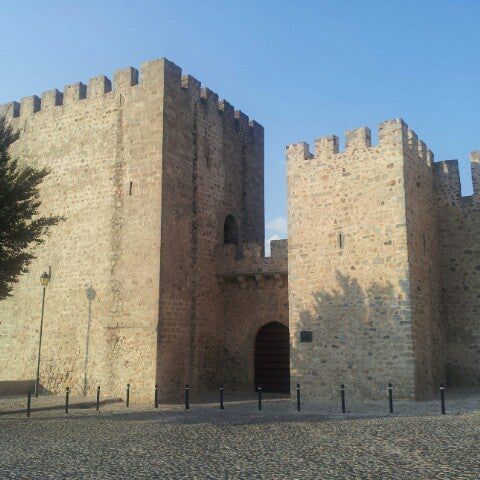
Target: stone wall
352,264
459,227
254,292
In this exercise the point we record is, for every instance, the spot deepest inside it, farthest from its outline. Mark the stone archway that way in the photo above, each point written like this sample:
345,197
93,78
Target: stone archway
272,358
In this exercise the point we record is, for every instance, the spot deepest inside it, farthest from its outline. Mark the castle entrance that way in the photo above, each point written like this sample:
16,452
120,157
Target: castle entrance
272,358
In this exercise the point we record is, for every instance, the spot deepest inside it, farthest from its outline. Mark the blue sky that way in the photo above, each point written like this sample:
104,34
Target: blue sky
301,68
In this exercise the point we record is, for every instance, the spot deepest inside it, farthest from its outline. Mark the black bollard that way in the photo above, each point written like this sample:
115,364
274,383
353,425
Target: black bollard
127,402
156,396
187,404
342,394
67,395
221,399
98,399
298,397
390,397
29,402
442,397
259,398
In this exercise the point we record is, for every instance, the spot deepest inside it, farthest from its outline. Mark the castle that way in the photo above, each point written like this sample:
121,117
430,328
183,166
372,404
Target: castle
158,274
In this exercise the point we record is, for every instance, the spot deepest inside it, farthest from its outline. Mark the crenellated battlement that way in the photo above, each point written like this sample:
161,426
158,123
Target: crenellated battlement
475,167
250,261
52,98
420,147
124,80
391,134
358,138
394,136
447,169
448,182
74,92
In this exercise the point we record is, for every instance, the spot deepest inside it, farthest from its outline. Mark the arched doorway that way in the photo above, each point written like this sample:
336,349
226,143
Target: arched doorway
272,358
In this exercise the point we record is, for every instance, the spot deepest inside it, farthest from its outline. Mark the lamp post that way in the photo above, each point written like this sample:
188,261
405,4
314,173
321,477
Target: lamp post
44,279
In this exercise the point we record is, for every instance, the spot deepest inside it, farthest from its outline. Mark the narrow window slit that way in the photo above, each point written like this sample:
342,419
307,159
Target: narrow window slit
130,188
230,231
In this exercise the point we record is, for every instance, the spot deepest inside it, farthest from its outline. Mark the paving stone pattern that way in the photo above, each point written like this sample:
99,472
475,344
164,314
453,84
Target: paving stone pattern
241,442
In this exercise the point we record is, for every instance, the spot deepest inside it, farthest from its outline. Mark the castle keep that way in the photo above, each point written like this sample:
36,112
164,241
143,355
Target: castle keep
158,273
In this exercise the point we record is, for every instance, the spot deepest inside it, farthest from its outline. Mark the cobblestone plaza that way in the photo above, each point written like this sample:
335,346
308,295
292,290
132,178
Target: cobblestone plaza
417,442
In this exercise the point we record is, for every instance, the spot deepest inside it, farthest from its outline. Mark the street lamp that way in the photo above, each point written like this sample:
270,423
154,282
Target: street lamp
44,279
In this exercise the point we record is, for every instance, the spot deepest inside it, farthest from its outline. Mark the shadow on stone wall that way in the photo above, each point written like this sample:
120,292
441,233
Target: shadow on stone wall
350,300
91,295
356,332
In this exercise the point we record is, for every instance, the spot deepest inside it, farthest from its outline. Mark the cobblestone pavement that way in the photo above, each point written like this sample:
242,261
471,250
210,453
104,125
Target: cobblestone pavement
241,442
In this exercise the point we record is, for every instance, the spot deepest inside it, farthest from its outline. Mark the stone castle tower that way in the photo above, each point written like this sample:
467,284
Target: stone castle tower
158,273
384,265
159,184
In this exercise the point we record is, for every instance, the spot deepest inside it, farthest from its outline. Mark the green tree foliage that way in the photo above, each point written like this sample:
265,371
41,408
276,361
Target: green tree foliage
21,227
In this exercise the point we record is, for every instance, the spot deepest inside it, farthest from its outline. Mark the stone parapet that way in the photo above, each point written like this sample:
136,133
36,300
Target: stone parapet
125,81
249,260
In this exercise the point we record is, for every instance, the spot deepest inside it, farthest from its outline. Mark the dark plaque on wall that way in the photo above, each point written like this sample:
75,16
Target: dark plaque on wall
306,336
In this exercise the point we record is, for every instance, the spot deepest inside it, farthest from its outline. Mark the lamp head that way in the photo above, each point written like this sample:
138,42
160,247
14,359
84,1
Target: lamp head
44,279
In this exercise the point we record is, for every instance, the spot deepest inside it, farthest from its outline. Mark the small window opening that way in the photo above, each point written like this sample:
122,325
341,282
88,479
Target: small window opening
341,240
207,155
130,188
230,231
424,240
